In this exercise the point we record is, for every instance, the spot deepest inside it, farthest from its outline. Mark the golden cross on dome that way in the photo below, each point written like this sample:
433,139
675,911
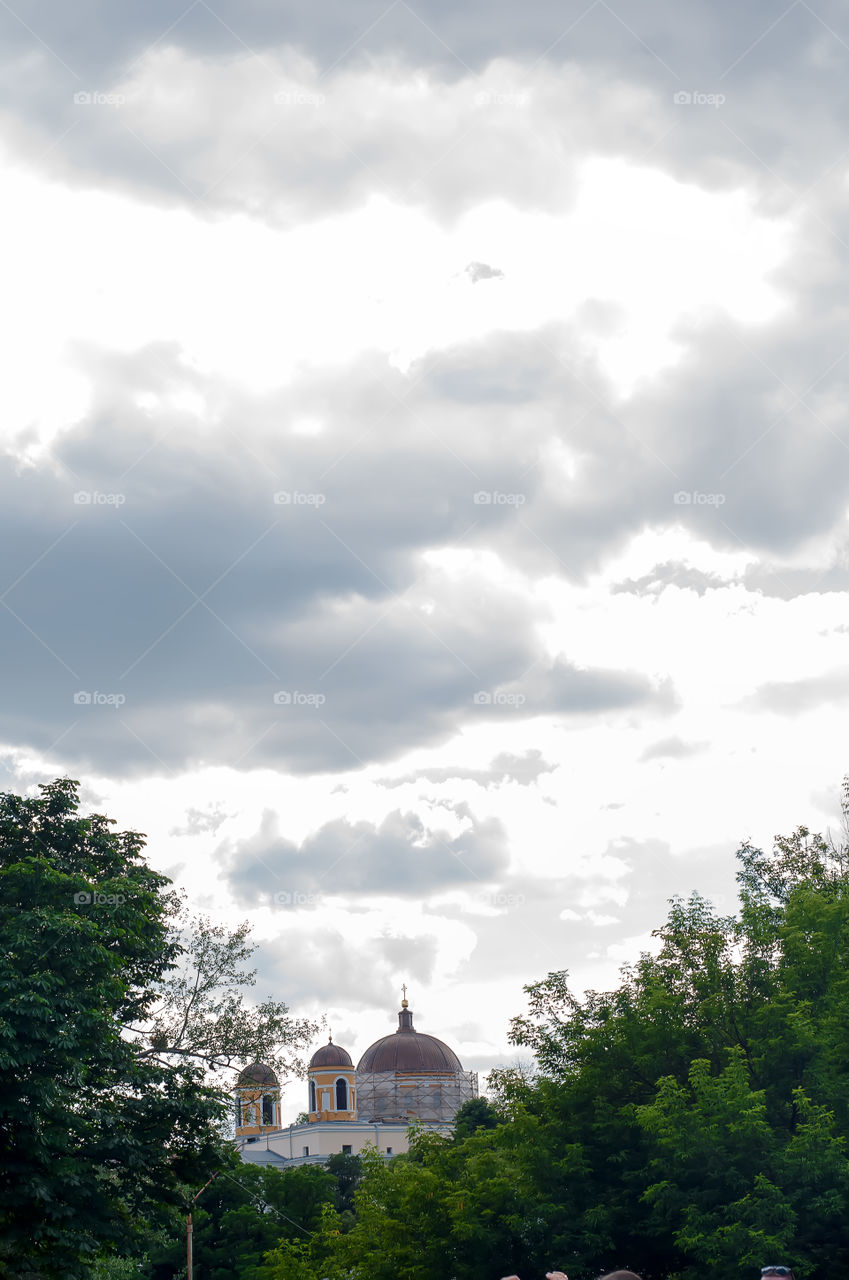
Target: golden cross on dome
404,990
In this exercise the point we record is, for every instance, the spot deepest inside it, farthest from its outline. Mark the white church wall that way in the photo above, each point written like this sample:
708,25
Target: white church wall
307,1143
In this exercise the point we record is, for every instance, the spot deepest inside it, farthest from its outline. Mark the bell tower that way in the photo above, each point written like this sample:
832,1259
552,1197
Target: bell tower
332,1085
257,1101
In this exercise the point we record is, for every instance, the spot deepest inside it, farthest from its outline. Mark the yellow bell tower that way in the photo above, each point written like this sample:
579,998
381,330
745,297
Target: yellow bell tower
257,1101
332,1085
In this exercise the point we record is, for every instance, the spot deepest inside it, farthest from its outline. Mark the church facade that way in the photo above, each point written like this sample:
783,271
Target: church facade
405,1076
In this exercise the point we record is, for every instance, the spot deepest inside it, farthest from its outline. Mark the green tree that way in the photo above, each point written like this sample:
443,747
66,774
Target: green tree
346,1171
101,1127
199,1013
245,1213
708,1092
693,1119
318,1256
716,1159
402,1222
477,1113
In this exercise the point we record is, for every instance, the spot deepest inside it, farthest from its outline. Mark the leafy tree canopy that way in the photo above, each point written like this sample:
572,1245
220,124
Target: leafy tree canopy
692,1121
110,1022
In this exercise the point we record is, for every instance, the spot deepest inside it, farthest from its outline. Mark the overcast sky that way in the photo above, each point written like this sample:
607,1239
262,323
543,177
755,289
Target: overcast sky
426,467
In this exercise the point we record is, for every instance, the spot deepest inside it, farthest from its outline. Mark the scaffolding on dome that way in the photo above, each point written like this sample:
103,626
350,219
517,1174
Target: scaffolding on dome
383,1095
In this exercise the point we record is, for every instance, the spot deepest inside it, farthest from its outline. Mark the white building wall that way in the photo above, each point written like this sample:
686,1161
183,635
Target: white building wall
327,1139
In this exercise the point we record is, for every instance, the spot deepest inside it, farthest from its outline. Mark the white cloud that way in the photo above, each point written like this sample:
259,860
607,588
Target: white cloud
252,303
203,286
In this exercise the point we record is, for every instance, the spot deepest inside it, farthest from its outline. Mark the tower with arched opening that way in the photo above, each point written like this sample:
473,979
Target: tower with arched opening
332,1085
257,1095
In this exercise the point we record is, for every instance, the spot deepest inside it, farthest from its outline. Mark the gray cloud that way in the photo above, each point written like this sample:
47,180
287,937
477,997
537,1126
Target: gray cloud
784,582
482,271
567,688
200,599
523,769
321,966
674,573
757,444
530,908
314,964
505,767
447,36
400,857
199,620
201,822
621,75
793,697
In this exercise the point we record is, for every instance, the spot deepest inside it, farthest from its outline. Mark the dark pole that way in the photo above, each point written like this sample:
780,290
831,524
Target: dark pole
189,1228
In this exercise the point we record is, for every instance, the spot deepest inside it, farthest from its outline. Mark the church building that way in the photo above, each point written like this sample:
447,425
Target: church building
403,1077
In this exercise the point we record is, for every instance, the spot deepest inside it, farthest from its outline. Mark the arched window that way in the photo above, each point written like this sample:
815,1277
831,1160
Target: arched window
313,1107
341,1094
267,1109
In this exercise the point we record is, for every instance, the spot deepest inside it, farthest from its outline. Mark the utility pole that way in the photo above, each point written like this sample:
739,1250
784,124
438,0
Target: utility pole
189,1227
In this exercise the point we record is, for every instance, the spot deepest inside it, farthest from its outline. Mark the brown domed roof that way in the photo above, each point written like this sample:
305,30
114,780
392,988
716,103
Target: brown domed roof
410,1051
331,1055
257,1073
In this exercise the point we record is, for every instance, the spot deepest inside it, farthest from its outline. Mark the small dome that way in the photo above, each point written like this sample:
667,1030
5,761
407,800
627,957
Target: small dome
331,1055
408,1051
257,1073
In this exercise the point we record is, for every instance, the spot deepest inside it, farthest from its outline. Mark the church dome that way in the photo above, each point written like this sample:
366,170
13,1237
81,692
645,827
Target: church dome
409,1051
257,1073
331,1055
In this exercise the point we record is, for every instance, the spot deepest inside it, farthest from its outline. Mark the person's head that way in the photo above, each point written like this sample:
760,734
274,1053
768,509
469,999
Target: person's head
779,1271
621,1275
